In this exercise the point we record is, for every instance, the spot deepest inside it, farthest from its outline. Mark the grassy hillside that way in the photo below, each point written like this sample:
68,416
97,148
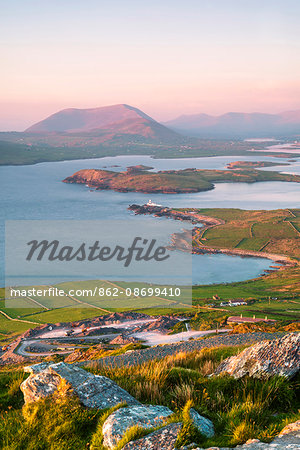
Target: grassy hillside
273,232
239,409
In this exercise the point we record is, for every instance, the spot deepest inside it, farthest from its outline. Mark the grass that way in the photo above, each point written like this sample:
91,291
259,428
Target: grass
240,409
270,232
48,424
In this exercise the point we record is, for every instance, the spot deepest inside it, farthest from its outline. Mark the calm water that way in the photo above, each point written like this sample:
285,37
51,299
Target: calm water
36,192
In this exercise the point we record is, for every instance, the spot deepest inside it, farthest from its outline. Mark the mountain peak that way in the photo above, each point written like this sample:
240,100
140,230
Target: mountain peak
106,122
74,120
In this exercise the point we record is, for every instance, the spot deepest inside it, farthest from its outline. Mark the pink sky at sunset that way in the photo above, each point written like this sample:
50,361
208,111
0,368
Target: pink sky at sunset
166,58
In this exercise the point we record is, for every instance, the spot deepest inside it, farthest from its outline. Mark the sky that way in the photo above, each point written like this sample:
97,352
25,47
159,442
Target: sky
166,57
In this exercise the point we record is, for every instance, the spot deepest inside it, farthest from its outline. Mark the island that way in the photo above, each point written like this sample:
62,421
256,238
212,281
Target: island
191,180
253,164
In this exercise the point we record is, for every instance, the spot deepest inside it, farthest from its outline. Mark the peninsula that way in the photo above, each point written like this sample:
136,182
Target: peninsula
250,233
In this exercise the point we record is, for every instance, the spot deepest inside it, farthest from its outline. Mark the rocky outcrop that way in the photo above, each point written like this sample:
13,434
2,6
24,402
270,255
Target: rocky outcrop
10,357
122,339
164,438
121,420
163,211
94,391
205,426
162,324
265,359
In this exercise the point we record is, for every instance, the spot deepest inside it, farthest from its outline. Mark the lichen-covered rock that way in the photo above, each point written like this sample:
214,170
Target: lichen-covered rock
266,359
36,368
164,438
39,386
145,416
205,426
94,391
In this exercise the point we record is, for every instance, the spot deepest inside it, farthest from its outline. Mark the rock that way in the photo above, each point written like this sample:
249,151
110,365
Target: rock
121,339
205,426
121,420
192,446
164,438
39,386
265,359
36,368
94,391
195,447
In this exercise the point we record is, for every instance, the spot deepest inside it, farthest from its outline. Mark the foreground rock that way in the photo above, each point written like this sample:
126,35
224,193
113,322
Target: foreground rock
94,391
265,359
165,439
121,420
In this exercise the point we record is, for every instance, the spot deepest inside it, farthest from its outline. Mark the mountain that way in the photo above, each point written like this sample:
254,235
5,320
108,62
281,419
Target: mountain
107,121
235,124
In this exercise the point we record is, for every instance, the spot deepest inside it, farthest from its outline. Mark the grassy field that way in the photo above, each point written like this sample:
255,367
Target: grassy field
27,312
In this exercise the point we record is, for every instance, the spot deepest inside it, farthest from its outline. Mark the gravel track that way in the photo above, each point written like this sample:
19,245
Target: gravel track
140,356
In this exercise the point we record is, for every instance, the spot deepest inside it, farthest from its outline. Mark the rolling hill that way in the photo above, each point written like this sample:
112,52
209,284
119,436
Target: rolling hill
108,122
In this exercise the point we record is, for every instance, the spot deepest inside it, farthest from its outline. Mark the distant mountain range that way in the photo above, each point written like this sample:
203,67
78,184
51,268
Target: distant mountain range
124,123
235,124
124,130
107,122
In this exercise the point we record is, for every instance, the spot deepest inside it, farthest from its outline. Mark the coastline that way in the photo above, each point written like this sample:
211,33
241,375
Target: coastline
181,240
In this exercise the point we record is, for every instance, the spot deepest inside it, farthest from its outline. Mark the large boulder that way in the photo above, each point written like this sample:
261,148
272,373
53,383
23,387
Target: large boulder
164,438
265,359
94,391
121,420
